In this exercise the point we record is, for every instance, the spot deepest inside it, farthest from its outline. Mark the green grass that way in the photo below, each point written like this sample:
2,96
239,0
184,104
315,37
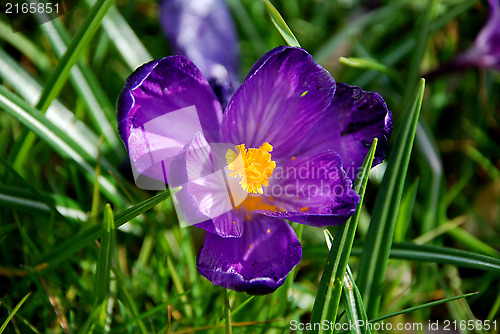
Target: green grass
82,249
331,284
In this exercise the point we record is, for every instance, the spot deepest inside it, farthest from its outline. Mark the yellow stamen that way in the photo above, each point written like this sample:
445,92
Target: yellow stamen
253,166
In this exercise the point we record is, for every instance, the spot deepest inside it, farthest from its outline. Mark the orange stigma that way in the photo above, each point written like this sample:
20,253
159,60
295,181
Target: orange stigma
253,166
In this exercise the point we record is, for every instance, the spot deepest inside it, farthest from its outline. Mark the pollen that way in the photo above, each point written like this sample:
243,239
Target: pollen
255,203
253,166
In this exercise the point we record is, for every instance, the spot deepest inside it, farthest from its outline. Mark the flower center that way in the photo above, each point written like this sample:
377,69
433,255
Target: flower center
253,166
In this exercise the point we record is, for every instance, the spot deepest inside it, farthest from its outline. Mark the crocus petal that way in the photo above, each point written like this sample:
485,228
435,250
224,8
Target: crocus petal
262,60
227,225
279,103
312,190
203,31
215,199
158,94
352,121
486,49
488,38
206,198
257,262
194,162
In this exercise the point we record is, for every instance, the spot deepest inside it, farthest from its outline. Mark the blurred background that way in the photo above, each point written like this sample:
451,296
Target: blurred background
61,162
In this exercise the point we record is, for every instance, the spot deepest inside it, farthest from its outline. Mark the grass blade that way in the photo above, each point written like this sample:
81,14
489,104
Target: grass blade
14,311
419,307
438,231
38,123
149,313
354,304
98,316
405,211
58,139
79,42
355,27
242,305
26,46
380,234
281,25
105,257
426,305
124,38
409,44
330,286
58,115
227,313
27,88
434,213
28,185
87,236
56,80
22,199
418,51
370,64
472,242
248,25
86,85
96,195
425,253
103,271
445,255
128,300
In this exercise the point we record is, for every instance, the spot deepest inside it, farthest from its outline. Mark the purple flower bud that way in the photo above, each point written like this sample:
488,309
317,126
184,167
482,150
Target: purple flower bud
203,31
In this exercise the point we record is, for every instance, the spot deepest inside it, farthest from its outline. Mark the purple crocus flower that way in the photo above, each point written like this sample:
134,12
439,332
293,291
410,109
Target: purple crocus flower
486,49
292,142
204,32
